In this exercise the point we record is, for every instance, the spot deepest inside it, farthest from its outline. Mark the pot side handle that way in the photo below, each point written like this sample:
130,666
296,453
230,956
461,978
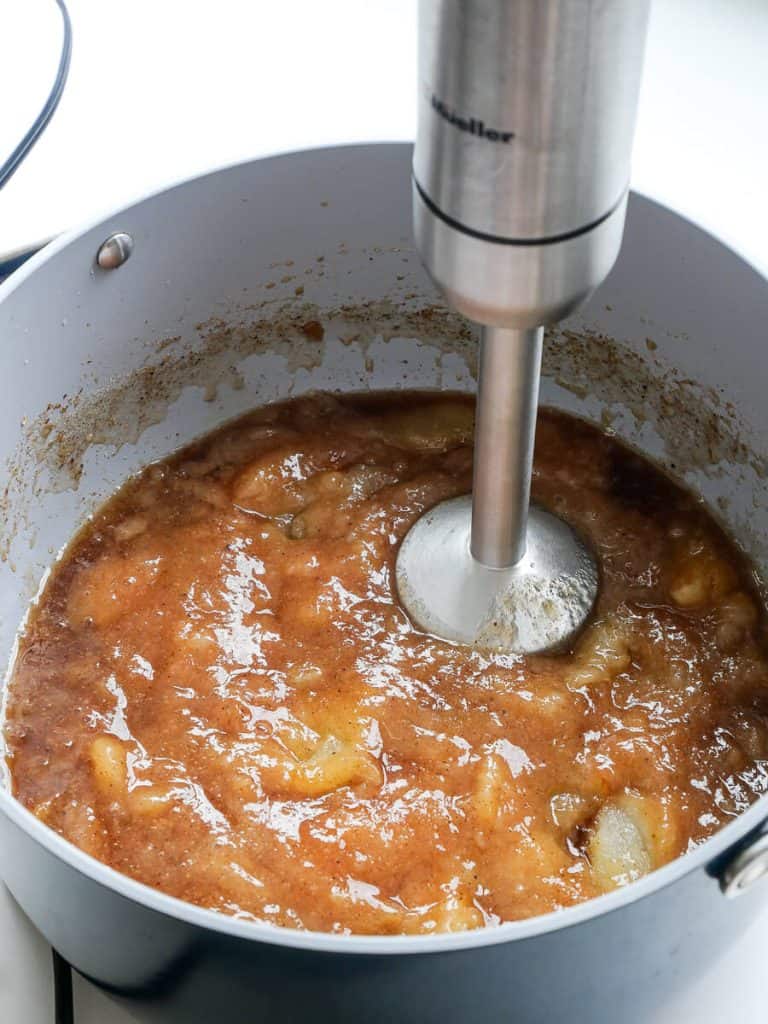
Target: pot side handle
739,871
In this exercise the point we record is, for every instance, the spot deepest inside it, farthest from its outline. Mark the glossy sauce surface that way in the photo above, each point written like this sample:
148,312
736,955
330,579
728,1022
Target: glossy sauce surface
220,696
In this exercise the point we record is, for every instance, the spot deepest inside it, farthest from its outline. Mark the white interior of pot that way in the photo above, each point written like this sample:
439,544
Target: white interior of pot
106,371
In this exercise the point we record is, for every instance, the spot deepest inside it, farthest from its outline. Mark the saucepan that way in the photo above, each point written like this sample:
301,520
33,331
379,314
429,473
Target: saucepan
120,342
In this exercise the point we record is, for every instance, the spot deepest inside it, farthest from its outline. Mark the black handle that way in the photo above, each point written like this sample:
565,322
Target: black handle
64,1010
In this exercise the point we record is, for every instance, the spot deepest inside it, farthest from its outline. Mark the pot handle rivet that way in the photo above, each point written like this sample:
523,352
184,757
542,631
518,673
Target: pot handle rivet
746,868
114,251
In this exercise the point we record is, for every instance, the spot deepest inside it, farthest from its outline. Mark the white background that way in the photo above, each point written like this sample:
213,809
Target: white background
164,89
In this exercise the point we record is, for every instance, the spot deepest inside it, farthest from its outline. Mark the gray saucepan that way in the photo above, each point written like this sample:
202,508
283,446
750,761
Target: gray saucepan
106,367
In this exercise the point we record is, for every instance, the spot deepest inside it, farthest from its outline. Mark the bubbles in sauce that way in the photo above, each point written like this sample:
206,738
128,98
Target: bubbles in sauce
220,696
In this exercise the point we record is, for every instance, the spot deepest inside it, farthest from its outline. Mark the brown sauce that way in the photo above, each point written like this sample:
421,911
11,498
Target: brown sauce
220,696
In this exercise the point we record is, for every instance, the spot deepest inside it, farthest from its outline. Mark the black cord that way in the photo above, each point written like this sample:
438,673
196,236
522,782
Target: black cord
11,165
64,1012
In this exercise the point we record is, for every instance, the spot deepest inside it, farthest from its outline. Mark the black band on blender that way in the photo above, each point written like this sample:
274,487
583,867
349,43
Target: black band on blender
500,239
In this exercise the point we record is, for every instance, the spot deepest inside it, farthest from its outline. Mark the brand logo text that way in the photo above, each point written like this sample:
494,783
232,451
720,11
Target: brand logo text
471,125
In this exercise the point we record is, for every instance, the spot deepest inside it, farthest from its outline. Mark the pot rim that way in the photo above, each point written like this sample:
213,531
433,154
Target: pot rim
700,858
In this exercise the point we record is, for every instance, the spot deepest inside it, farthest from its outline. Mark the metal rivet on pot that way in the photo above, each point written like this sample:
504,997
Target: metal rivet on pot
114,251
748,867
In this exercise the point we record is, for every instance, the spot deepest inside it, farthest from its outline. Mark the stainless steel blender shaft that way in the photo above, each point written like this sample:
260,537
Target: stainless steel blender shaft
505,427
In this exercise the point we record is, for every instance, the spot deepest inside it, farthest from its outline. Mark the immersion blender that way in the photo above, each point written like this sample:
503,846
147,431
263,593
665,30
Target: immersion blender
526,116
